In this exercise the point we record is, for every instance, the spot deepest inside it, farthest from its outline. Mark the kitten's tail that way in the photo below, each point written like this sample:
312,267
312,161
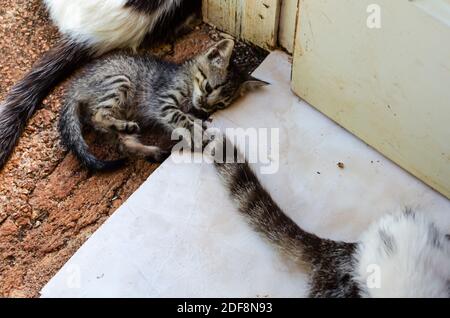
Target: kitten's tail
28,93
265,216
70,128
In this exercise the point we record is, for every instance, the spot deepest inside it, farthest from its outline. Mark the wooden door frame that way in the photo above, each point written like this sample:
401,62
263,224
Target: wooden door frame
267,23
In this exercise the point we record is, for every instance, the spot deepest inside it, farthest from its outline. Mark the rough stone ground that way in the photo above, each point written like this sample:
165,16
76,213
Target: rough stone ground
49,205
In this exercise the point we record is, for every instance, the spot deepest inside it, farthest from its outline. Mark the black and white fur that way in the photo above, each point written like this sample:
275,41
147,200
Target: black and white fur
413,256
89,28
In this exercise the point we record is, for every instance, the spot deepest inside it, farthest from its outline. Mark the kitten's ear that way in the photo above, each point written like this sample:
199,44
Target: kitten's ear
220,53
252,84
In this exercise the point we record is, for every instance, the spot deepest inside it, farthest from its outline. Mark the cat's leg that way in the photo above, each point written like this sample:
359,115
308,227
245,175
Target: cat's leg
116,93
104,118
152,153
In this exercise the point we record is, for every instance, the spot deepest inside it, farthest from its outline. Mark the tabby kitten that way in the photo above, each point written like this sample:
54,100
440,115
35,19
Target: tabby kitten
89,28
411,254
124,94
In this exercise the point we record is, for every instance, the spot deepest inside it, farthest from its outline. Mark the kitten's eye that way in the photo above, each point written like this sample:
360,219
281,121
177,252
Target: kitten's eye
221,105
208,88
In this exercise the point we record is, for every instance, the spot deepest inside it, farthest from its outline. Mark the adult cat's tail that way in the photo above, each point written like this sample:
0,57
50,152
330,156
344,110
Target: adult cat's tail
265,216
28,93
70,128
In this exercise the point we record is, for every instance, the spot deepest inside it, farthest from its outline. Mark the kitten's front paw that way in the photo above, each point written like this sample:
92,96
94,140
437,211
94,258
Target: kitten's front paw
207,140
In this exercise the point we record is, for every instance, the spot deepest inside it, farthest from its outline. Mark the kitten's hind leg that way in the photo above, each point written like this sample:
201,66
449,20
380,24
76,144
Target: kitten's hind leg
116,91
135,146
105,119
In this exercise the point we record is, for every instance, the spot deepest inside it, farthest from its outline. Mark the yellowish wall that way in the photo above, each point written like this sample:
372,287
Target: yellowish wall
288,18
389,86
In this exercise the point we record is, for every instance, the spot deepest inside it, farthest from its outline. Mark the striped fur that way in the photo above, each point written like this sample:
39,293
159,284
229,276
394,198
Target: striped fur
90,28
311,252
412,254
124,93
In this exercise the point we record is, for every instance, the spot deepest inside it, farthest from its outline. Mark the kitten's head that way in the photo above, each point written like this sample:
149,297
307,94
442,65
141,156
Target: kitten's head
217,82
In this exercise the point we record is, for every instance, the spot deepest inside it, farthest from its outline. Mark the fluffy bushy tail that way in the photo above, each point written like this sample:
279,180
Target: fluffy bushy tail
33,88
266,217
70,128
